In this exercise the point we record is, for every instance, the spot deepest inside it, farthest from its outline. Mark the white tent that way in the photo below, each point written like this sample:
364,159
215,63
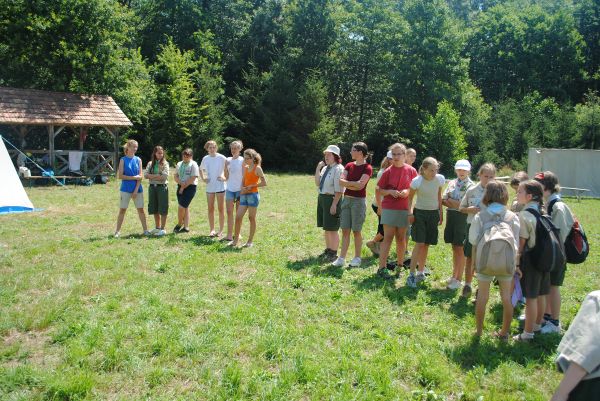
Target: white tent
13,197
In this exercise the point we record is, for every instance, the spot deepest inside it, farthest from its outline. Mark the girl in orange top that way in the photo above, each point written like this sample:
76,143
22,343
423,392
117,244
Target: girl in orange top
249,197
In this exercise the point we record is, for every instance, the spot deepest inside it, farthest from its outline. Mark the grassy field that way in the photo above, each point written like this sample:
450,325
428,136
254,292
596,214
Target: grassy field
86,316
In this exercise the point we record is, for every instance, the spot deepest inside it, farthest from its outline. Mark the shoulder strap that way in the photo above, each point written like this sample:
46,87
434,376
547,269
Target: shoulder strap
534,212
551,205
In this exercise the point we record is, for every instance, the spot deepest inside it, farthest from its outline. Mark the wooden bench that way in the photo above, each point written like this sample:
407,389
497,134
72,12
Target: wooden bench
578,191
61,178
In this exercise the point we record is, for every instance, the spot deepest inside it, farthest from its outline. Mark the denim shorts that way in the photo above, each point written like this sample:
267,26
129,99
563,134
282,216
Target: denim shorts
251,200
232,195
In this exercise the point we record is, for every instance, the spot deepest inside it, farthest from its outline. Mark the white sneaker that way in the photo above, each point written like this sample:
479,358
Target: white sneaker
339,262
147,233
454,285
117,234
420,277
427,271
355,262
155,231
550,327
160,233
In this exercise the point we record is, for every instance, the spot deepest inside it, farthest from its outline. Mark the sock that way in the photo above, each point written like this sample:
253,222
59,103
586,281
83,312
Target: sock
527,335
467,284
536,327
555,322
547,316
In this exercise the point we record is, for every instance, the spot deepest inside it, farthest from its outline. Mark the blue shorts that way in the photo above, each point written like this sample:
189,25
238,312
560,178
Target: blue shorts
232,195
251,200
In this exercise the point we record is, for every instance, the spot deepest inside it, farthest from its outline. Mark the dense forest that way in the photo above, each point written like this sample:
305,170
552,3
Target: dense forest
479,78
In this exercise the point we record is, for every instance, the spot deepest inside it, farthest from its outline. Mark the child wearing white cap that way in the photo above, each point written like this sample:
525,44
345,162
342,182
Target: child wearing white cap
456,222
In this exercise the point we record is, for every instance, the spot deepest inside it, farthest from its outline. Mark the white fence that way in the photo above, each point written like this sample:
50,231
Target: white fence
578,169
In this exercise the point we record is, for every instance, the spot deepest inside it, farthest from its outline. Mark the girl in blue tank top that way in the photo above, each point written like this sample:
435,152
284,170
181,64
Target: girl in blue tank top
130,174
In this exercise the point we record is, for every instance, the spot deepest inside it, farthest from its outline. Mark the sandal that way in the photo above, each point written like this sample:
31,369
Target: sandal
501,337
519,338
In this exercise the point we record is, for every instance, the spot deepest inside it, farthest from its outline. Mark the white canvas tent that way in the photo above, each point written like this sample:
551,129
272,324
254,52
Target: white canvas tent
13,198
575,168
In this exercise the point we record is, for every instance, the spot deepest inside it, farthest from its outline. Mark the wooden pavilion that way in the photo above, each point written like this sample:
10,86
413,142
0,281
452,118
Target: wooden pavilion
24,109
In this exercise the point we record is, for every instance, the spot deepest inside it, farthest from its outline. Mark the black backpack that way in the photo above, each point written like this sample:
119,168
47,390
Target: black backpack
548,253
576,244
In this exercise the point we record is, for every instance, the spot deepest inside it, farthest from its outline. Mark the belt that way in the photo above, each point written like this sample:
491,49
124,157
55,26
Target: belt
158,185
328,194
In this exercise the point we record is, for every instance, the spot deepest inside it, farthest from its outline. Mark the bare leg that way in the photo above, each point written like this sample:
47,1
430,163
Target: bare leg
416,255
163,221
333,240
252,218
157,220
480,305
384,251
458,261
400,236
181,216
239,217
220,206
541,309
468,271
357,243
554,302
507,307
531,311
142,216
345,242
230,218
423,257
120,218
186,218
210,200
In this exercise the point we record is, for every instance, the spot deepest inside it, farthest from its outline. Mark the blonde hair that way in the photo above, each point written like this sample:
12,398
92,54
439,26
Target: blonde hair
411,151
236,143
211,142
487,167
398,145
495,192
427,162
256,158
129,144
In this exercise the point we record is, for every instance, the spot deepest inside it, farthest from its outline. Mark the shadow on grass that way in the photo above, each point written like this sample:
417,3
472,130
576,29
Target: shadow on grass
439,296
491,353
461,307
387,285
311,261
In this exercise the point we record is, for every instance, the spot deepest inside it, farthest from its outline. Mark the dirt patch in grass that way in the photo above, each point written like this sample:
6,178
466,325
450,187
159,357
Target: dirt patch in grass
33,345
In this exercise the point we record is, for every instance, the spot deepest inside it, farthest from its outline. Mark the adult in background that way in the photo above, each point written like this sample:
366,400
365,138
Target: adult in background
130,174
355,177
579,354
157,172
327,179
186,177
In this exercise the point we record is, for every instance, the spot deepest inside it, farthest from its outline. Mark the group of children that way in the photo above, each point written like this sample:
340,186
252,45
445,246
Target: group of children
232,181
472,209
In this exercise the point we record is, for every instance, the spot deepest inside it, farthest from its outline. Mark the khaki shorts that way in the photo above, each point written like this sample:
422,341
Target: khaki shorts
138,201
353,214
394,218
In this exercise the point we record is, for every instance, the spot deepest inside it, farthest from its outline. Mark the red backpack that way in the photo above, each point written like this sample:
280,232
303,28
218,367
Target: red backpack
577,246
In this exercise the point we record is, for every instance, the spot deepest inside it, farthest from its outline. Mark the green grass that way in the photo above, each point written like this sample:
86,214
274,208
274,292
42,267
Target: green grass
84,316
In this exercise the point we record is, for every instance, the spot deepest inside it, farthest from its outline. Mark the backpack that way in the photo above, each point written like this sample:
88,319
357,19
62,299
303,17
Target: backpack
576,244
548,254
494,252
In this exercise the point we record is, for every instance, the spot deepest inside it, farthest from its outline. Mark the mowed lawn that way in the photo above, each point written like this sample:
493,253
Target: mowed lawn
86,316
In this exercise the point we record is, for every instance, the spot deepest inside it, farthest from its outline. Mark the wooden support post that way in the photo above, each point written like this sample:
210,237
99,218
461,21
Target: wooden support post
51,146
115,133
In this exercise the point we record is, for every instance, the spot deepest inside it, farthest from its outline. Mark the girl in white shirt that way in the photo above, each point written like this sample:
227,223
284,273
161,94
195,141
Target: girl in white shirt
426,216
212,172
234,171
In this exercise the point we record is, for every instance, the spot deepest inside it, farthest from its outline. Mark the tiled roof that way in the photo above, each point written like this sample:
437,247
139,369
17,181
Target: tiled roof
36,107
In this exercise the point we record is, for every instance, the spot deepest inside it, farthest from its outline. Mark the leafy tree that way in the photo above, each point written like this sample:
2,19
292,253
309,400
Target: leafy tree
515,50
445,137
587,14
588,121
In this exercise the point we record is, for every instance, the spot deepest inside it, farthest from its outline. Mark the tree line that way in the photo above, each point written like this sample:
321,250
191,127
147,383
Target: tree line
483,79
